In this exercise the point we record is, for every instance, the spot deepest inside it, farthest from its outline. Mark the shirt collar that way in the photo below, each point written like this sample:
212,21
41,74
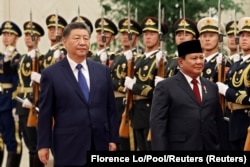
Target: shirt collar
208,58
73,64
189,79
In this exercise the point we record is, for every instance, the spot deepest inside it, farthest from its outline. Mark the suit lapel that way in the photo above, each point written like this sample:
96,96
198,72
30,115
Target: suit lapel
183,83
66,70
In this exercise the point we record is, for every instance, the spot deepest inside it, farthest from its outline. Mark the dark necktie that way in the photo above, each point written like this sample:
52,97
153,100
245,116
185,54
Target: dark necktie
196,90
82,82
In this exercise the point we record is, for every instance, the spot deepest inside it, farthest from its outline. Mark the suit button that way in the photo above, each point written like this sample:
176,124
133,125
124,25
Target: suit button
202,120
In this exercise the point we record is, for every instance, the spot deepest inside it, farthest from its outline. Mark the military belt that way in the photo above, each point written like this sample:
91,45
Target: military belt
235,106
21,89
119,94
4,86
138,97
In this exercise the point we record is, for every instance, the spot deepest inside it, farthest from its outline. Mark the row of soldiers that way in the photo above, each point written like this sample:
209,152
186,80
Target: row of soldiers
17,75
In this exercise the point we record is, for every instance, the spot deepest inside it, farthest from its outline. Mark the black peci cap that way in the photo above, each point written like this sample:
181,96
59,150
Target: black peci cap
193,46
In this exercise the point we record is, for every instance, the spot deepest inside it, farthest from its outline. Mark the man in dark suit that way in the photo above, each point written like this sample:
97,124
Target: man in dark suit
179,120
84,118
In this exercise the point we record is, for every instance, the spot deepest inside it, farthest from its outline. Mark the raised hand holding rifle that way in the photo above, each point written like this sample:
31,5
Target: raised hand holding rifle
32,117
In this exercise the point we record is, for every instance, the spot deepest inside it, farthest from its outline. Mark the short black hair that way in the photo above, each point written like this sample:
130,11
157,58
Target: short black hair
74,25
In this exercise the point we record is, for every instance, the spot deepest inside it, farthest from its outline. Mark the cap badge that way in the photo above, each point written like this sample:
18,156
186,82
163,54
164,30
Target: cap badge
150,22
7,25
103,22
183,23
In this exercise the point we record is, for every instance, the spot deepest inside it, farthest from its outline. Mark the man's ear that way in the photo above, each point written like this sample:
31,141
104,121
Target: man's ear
180,61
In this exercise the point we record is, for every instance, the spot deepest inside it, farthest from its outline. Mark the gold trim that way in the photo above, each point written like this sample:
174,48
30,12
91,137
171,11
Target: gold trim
6,85
119,94
138,97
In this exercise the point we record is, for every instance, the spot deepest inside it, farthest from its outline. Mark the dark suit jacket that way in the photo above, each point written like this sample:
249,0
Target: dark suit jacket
76,121
179,122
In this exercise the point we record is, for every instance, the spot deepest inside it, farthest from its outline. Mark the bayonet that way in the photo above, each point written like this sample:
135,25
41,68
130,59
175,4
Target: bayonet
184,17
31,27
56,31
180,13
235,33
78,13
219,22
104,37
102,29
136,14
129,32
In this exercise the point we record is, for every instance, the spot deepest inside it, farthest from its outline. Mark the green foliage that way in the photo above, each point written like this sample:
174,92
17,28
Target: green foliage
194,9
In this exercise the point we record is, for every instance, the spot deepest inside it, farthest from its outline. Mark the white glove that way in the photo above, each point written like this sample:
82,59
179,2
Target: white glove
219,59
32,54
56,54
128,54
35,76
8,53
26,103
222,88
158,57
236,58
14,115
129,82
103,57
158,79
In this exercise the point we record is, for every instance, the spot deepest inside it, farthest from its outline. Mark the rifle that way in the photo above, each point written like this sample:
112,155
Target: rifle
247,142
222,65
161,64
58,38
236,34
32,117
125,125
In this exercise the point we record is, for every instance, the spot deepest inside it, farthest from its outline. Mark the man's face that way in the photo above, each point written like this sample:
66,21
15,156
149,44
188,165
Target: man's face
151,39
125,42
9,39
77,43
108,35
209,40
231,42
28,40
245,41
52,33
180,37
192,65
